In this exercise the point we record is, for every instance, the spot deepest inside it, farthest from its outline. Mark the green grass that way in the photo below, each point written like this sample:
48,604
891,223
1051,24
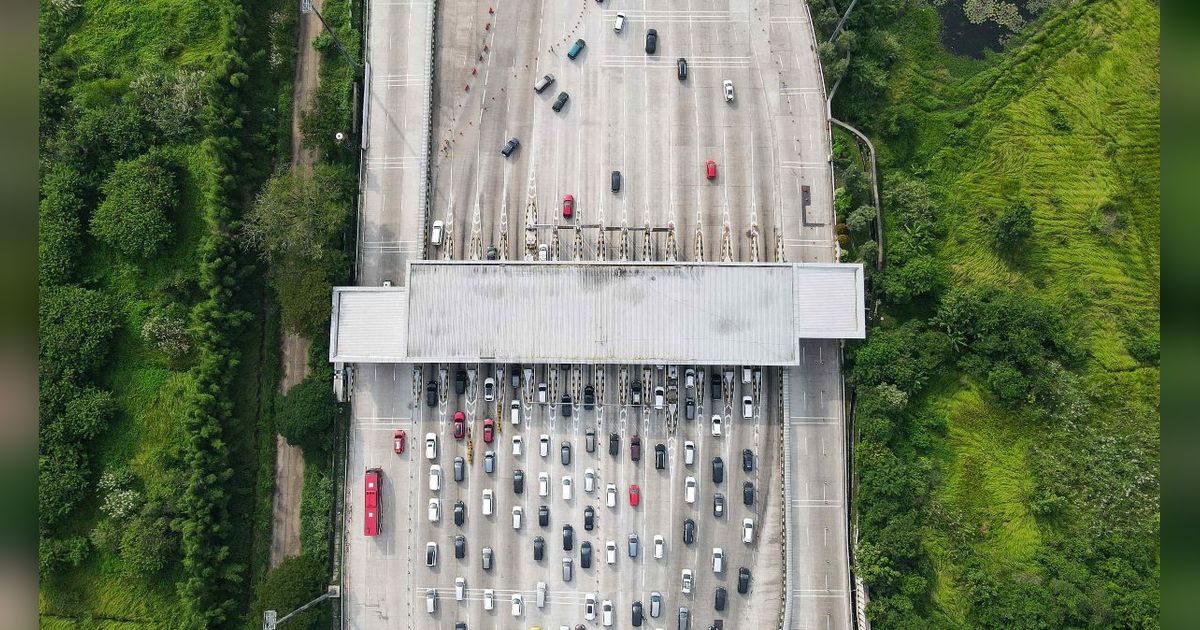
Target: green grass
1067,120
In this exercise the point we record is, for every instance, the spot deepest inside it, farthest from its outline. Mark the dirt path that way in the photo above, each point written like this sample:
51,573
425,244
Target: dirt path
289,461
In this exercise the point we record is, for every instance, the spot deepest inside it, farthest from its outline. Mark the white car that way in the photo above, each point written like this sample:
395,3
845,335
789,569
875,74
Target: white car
660,397
431,446
747,530
439,229
611,494
718,559
488,501
659,545
728,90
515,412
517,442
543,484
689,453
435,510
716,425
687,581
589,606
689,379
435,477
689,489
541,392
567,487
460,589
747,408
589,480
610,552
489,599
517,513
518,605
544,445
489,389
607,611
617,26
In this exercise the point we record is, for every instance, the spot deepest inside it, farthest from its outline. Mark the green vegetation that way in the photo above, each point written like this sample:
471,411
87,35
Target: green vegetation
151,421
1007,405
306,413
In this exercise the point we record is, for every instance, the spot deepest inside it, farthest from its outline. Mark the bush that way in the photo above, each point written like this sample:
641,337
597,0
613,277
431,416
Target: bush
133,218
168,334
147,545
59,227
295,582
303,287
75,327
316,512
306,413
860,219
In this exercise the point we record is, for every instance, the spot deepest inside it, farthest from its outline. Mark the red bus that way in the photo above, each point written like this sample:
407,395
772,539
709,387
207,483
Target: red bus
371,501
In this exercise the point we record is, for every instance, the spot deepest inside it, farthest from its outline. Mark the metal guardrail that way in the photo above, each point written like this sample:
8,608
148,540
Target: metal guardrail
786,423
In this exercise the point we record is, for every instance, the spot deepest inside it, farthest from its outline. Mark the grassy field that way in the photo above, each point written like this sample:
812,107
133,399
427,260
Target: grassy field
1067,121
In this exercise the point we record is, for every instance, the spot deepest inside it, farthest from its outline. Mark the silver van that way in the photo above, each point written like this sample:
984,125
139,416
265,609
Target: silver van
685,621
541,594
568,569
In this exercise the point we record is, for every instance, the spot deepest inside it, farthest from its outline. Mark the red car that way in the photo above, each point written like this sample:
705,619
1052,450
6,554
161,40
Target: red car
635,495
398,441
489,430
568,206
711,169
460,427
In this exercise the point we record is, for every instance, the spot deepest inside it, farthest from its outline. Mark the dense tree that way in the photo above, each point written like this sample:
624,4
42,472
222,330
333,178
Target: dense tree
295,582
75,327
134,217
1013,227
860,218
147,544
299,217
59,228
306,413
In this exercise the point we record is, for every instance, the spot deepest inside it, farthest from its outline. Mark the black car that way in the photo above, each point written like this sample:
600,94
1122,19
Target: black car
719,598
689,531
460,547
568,538
748,493
614,444
519,481
589,398
714,386
565,406
431,394
589,518
660,456
637,613
460,625
718,470
681,68
460,382
743,580
651,41
460,468
492,252
544,516
616,181
460,513
510,146
516,377
566,453
689,409
718,505
539,549
585,555
636,389
560,102
589,440
635,448
747,460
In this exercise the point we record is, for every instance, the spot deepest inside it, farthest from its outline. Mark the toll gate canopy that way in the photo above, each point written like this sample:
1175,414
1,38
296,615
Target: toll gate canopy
598,313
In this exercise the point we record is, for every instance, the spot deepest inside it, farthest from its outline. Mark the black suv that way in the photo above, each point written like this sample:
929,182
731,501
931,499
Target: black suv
510,146
718,470
544,515
431,394
651,41
589,397
614,444
681,68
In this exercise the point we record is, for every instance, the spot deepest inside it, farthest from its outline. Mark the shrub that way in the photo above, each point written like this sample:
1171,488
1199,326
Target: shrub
316,513
59,226
75,326
167,334
147,544
860,218
133,218
306,413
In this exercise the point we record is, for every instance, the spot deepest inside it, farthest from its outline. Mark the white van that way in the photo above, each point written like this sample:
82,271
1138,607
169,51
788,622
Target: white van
746,375
489,599
460,589
619,23
718,559
488,500
438,232
517,513
431,601
689,489
541,594
514,412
